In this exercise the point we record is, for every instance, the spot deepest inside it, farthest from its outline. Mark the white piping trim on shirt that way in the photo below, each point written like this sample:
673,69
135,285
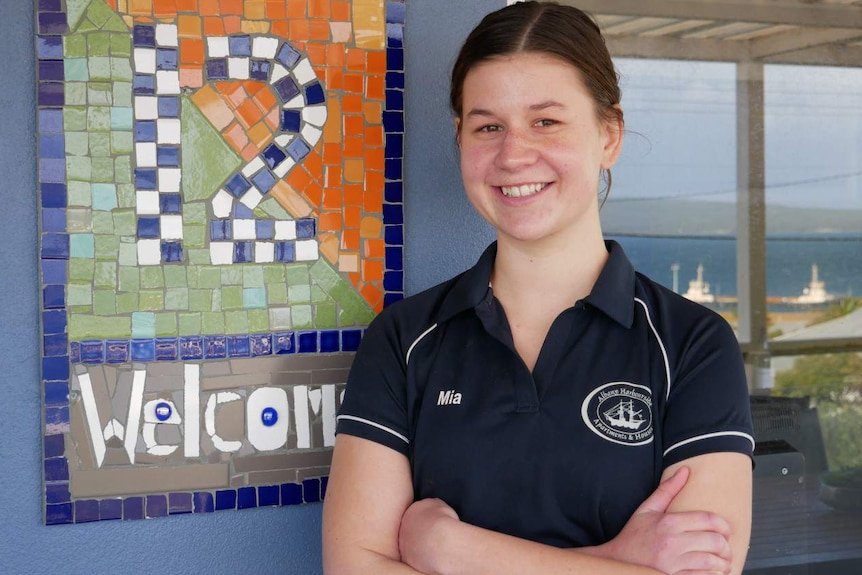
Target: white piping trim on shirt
710,436
377,425
418,339
660,344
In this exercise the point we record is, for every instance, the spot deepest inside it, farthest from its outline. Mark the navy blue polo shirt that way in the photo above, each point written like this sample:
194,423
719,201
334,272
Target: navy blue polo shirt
629,380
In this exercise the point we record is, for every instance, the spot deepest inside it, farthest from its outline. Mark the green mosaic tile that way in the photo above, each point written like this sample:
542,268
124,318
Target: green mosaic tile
298,294
97,327
254,298
152,300
258,321
79,294
318,295
75,70
105,199
231,297
99,13
100,68
128,279
77,143
105,275
190,324
194,236
152,277
279,318
166,324
271,208
100,144
74,46
273,274
199,256
327,278
236,322
276,294
208,277
81,269
122,94
128,254
195,212
99,94
75,93
122,118
86,26
79,220
231,275
216,300
207,158
297,274
107,247
177,298
116,24
121,69
212,323
104,302
175,276
252,276
80,309
200,300
143,324
325,316
98,118
82,246
127,303
123,167
358,308
78,169
98,43
301,317
74,120
103,223
120,45
126,195
78,193
102,170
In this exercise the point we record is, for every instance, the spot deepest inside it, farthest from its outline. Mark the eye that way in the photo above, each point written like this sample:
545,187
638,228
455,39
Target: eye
489,128
546,122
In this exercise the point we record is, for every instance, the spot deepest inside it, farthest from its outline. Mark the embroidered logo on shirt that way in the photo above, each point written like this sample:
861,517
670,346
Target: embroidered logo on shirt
620,412
449,397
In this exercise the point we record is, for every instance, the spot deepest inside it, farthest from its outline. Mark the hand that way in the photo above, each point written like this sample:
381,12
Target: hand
421,536
684,543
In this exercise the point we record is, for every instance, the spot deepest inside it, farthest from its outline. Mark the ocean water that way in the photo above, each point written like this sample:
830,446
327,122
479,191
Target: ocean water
788,262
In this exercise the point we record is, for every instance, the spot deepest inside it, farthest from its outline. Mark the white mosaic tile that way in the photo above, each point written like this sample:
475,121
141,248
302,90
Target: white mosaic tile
311,134
171,227
145,154
307,250
168,82
147,203
341,32
283,168
303,72
251,198
253,167
264,252
244,230
300,416
278,72
295,103
168,131
209,418
285,230
222,204
146,108
263,436
329,411
315,115
238,68
169,179
145,60
221,253
284,140
166,35
314,397
218,46
149,252
191,409
264,47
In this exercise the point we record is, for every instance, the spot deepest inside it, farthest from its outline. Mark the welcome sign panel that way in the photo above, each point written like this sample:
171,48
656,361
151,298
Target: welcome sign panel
221,217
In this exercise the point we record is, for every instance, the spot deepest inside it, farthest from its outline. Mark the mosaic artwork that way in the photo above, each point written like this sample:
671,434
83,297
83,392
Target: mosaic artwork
220,191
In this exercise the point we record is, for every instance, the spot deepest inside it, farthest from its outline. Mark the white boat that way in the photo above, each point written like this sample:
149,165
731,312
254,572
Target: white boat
815,292
698,290
624,415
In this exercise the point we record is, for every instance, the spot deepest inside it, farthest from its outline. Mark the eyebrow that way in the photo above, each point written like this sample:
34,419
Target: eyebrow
535,107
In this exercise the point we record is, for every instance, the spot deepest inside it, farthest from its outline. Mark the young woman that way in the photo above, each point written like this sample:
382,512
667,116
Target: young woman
549,410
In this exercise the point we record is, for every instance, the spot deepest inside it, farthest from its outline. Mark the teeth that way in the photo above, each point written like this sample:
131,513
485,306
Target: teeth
521,191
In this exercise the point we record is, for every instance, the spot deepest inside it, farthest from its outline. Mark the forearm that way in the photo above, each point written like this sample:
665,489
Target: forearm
359,561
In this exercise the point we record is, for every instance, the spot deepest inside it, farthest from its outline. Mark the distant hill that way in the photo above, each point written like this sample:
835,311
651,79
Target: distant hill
686,217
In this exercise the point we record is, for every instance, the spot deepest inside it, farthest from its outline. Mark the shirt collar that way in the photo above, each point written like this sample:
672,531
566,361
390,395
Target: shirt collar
471,288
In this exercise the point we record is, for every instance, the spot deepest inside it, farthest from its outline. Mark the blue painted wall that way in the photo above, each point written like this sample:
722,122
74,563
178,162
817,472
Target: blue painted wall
444,236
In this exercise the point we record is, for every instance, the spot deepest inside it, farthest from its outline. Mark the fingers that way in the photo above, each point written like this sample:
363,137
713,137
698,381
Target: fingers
662,497
693,521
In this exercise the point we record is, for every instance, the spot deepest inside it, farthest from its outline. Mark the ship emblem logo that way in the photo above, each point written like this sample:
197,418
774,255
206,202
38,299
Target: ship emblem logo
620,412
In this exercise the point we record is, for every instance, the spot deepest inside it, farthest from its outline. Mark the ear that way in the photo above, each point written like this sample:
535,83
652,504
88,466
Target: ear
458,131
613,139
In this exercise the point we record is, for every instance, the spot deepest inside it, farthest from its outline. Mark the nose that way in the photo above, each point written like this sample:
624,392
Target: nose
516,150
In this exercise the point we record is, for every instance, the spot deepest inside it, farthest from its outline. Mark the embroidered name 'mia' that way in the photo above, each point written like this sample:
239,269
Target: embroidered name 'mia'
449,397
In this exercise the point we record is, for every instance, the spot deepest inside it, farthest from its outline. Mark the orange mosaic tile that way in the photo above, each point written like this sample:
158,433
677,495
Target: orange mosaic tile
208,7
273,119
332,199
353,147
334,78
319,30
374,201
317,56
314,164
374,248
375,87
374,136
351,104
356,60
350,240
189,26
231,7
332,130
354,83
213,107
375,62
265,98
298,178
335,55
232,25
348,262
332,175
141,7
191,77
249,152
374,181
318,8
329,222
248,113
340,11
260,134
329,247
372,295
296,8
276,10
372,270
280,29
299,30
332,155
354,171
369,22
353,195
236,136
192,51
375,158
373,112
371,227
314,192
352,217
213,27
164,8
254,27
187,5
353,125
290,200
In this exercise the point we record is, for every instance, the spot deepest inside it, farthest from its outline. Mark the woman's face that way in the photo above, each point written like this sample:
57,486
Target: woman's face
532,146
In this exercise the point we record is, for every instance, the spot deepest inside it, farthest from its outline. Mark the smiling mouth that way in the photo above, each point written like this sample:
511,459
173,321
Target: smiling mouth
523,190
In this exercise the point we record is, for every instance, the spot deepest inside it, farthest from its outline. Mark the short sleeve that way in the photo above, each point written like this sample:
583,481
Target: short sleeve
375,399
708,407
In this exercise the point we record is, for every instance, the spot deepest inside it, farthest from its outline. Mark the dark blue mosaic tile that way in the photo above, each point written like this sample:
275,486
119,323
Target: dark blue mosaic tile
51,94
220,230
58,416
305,228
246,498
54,296
203,502
56,493
311,490
285,252
225,499
54,345
394,258
350,339
329,341
264,229
395,80
117,351
49,46
172,252
166,59
170,203
168,107
272,155
243,252
56,393
291,121
167,348
51,70
51,121
53,445
53,195
324,482
58,514
242,212
396,40
143,350
291,494
394,146
50,6
393,281
268,495
52,170
261,344
391,298
86,510
237,185
133,508
259,70
264,180
53,272
146,178
393,192
314,94
145,131
179,503
239,45
55,246
394,235
144,85
52,146
56,469
110,509
238,346
74,352
217,69
55,368
92,351
51,23
283,343
393,122
395,13
307,342
298,149
395,58
53,321
157,506
394,100
286,89
144,36
215,347
288,56
191,347
392,169
393,214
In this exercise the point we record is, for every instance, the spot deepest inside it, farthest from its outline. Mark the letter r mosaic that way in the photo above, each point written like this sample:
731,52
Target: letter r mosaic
221,216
